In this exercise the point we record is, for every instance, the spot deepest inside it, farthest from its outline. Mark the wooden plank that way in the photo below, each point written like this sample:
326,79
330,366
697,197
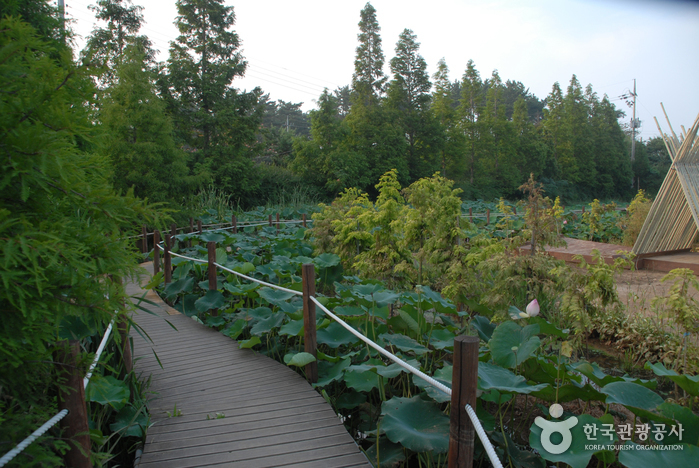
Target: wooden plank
273,417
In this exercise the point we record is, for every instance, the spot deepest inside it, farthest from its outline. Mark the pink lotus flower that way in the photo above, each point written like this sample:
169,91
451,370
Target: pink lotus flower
533,308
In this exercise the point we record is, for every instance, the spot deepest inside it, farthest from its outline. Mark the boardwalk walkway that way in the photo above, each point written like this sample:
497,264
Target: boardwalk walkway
267,414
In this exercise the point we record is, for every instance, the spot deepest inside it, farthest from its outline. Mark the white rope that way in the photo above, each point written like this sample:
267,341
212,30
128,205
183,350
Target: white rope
34,435
484,438
86,380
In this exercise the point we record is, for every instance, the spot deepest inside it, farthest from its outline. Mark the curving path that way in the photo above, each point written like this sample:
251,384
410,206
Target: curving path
268,415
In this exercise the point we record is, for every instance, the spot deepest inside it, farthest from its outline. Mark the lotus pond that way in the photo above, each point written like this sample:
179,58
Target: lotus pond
526,364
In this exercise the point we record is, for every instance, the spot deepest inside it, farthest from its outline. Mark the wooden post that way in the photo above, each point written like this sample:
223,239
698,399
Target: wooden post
308,274
213,285
470,214
156,252
487,217
514,208
463,392
71,396
199,226
234,222
303,220
583,209
144,239
123,327
167,261
191,230
270,220
277,223
173,233
211,247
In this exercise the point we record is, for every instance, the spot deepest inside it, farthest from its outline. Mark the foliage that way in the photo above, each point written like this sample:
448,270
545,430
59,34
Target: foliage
215,122
377,400
592,292
638,211
138,136
543,219
60,223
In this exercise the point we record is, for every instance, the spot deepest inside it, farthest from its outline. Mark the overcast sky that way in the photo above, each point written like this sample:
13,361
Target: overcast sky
296,48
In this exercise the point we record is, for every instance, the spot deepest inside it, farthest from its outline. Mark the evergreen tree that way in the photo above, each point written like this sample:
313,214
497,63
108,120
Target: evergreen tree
554,135
469,110
408,98
138,135
369,79
449,142
106,46
217,122
580,166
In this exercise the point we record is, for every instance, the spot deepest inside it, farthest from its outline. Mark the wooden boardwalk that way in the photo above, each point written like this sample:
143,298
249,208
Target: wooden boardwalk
268,415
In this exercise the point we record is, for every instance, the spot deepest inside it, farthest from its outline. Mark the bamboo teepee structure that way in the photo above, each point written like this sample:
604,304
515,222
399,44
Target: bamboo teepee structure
672,223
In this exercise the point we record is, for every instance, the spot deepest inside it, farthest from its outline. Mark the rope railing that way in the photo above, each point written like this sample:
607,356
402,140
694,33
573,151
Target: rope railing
490,450
9,456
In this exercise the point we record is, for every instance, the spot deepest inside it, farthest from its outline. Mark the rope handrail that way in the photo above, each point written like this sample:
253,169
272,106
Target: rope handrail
490,450
5,459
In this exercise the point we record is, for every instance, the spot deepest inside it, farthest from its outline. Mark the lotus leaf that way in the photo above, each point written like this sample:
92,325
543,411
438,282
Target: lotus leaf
504,380
217,237
484,327
234,329
631,395
107,391
268,324
349,311
417,424
511,344
213,299
180,286
686,457
384,298
576,456
390,455
335,335
328,372
350,400
326,260
274,296
684,416
404,343
442,338
215,321
186,305
130,422
299,359
689,383
255,340
292,328
443,375
361,381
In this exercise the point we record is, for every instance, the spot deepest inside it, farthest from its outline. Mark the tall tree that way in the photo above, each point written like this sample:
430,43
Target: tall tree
408,98
215,120
449,142
369,79
106,46
138,135
554,133
469,110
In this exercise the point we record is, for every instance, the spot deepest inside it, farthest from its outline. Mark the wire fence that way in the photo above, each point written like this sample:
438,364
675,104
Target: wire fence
480,431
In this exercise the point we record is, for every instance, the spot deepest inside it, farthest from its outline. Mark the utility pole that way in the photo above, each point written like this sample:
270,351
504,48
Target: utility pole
633,124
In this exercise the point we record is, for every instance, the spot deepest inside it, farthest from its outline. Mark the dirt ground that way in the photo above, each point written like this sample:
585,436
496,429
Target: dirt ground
638,288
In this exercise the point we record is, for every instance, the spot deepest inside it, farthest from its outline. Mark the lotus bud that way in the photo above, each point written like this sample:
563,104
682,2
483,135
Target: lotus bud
533,308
